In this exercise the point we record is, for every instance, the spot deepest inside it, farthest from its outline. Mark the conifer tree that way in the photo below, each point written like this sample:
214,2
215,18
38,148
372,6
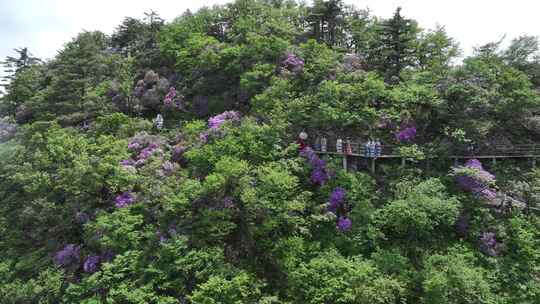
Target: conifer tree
13,64
395,49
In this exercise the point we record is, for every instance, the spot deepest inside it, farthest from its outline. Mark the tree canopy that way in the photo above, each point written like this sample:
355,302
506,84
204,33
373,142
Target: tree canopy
163,163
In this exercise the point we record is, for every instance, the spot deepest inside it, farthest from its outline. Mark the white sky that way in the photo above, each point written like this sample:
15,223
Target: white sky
45,25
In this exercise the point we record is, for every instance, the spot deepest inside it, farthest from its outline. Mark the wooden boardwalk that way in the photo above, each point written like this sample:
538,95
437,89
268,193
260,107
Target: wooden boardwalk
494,152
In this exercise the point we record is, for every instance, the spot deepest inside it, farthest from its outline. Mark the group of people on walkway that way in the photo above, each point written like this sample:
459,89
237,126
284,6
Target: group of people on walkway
373,148
370,149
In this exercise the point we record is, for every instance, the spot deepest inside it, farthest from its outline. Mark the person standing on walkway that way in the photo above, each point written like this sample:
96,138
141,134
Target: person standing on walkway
366,149
378,148
339,145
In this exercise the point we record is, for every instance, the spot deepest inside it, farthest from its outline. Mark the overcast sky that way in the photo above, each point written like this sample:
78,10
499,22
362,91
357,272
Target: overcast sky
45,25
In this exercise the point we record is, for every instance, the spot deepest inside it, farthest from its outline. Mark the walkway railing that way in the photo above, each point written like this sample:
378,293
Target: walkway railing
392,151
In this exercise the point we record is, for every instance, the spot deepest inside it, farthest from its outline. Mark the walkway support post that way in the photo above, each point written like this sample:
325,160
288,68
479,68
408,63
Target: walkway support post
345,162
373,165
403,161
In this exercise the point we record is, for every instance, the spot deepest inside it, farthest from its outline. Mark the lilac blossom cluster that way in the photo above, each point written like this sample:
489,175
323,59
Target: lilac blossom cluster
125,199
336,204
70,255
293,63
142,146
406,134
216,121
473,178
214,124
344,224
337,198
172,98
178,154
320,174
91,263
489,244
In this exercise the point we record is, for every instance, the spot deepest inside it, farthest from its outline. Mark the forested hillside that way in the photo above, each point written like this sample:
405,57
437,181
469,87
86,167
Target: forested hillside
162,163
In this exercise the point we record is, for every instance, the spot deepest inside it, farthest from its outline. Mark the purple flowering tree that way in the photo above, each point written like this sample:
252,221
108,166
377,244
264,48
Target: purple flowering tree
173,99
344,224
474,178
216,121
489,244
70,255
91,263
337,198
125,199
169,98
406,134
319,173
293,63
336,205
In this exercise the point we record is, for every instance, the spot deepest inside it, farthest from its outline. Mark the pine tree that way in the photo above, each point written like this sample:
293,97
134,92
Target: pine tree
325,18
396,47
14,64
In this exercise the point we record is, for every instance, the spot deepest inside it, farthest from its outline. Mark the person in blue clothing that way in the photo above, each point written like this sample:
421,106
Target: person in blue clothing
378,148
367,152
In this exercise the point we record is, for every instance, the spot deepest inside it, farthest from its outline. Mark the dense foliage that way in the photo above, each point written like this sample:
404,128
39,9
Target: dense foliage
214,201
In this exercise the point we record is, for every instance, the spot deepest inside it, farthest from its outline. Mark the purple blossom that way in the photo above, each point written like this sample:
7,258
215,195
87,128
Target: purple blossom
319,176
172,230
134,146
178,153
168,167
91,263
216,121
337,197
69,255
308,153
147,152
203,137
293,63
228,202
488,244
344,224
473,178
171,95
140,163
406,134
474,163
317,163
162,237
127,162
125,199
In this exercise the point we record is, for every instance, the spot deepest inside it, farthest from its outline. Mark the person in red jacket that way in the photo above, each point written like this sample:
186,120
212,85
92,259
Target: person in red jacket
302,140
